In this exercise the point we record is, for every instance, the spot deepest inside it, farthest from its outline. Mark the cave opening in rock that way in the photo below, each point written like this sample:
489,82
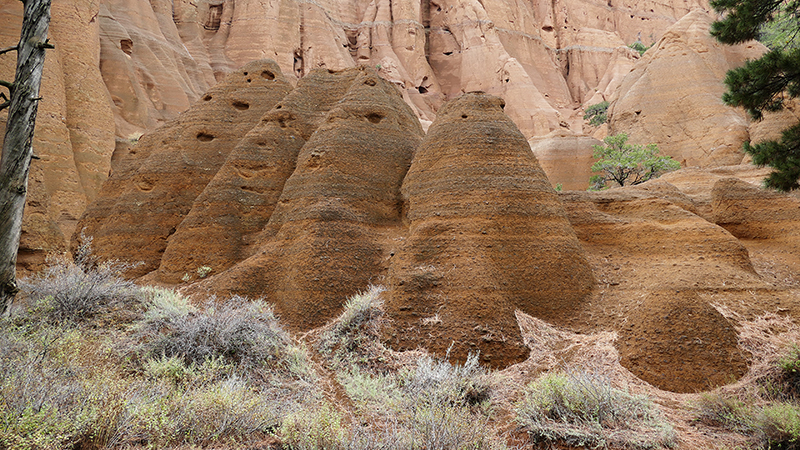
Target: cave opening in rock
214,17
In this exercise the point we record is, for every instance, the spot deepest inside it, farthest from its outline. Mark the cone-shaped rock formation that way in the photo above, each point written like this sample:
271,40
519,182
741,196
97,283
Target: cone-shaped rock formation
142,204
240,199
322,240
487,236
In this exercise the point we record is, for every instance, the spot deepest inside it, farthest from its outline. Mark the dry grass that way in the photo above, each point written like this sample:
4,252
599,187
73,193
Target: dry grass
119,366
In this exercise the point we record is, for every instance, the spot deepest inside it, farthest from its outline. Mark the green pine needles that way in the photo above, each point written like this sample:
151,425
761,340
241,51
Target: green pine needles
597,114
623,164
767,83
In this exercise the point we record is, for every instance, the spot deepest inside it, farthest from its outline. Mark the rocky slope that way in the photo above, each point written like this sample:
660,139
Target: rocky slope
122,68
337,189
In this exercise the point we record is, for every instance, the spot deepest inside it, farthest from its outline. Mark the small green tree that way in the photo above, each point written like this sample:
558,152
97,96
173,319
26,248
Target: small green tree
628,164
597,114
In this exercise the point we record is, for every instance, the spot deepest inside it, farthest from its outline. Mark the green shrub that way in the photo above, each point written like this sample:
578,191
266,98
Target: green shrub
789,365
727,412
324,428
597,114
622,163
355,336
780,423
241,331
640,47
583,409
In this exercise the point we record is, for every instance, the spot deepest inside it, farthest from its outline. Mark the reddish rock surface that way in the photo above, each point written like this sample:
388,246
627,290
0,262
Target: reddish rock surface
673,96
171,167
487,236
660,267
74,127
240,199
323,240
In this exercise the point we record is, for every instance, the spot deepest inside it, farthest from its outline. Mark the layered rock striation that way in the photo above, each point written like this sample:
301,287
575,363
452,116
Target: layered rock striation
334,190
487,236
172,166
332,186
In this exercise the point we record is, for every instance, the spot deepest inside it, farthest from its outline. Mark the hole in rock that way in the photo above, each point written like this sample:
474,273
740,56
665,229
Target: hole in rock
249,80
126,45
241,106
267,75
279,107
374,117
547,28
422,90
214,17
246,74
207,98
261,144
447,53
463,116
204,137
370,82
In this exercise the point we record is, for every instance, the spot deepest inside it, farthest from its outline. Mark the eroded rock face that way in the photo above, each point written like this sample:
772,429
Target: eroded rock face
750,212
331,187
673,97
487,235
149,71
307,209
172,166
74,127
566,158
323,241
241,197
662,271
157,57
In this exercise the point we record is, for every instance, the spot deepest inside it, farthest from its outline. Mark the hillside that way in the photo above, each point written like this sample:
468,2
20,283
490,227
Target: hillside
371,184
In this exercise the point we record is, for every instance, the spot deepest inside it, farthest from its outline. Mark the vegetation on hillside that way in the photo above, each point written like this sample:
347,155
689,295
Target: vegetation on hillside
597,114
89,360
621,163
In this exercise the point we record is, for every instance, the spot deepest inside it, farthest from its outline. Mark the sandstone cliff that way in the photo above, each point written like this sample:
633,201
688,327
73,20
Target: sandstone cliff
673,96
336,189
74,136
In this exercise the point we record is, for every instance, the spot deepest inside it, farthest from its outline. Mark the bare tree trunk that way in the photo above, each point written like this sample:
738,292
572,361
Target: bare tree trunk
17,149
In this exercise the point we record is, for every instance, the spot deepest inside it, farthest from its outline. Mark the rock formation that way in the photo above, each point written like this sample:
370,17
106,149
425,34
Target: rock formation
307,219
487,236
673,97
323,240
172,166
321,190
240,199
660,268
74,135
566,158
